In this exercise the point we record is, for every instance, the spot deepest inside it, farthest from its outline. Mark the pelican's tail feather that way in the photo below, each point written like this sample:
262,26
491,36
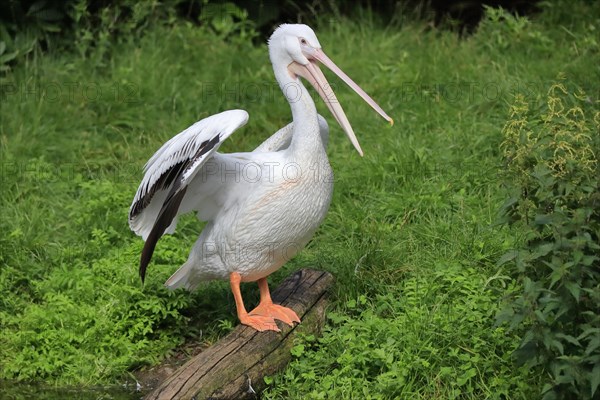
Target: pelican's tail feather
182,278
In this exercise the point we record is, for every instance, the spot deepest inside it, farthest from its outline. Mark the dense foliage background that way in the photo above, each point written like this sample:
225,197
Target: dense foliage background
435,297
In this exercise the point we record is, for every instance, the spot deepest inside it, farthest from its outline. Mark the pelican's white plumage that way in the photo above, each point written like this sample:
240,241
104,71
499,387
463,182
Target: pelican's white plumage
263,206
175,157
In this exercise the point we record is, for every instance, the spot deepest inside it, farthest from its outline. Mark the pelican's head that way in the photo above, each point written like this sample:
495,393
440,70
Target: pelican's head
297,47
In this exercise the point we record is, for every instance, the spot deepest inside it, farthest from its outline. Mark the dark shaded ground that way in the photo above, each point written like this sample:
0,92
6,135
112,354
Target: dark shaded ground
143,381
150,378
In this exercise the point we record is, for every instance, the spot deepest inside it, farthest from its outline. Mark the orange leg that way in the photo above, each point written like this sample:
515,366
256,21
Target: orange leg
270,309
258,322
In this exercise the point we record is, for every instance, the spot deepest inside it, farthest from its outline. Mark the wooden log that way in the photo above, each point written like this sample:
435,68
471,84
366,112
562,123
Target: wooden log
234,367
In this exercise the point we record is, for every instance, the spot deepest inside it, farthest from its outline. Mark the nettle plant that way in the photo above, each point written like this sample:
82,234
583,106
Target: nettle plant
553,171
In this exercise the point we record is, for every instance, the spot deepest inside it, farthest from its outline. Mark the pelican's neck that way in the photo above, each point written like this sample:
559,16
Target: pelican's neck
306,138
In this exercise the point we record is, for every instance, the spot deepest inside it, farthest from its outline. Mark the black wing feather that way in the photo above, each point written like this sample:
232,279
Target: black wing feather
165,217
165,181
170,207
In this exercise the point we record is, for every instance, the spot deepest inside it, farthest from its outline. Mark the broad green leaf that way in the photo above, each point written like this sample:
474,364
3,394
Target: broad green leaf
574,289
568,338
595,380
544,219
8,57
49,15
35,7
297,350
593,344
542,250
506,257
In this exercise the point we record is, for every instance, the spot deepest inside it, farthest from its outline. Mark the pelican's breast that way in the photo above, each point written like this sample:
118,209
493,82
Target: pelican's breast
279,218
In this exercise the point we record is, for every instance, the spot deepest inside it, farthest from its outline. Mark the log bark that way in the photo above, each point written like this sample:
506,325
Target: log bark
234,367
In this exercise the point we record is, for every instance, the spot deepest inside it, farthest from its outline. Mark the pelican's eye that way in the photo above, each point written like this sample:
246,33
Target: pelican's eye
304,41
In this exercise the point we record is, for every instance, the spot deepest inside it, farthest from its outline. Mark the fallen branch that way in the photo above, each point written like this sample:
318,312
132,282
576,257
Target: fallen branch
234,367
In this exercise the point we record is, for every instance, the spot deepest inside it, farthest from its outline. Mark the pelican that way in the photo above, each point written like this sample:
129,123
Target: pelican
261,207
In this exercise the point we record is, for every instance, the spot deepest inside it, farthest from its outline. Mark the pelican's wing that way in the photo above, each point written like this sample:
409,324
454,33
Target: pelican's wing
168,173
278,141
281,139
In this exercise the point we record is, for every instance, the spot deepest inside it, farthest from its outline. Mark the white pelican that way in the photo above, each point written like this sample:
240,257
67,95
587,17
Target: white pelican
263,206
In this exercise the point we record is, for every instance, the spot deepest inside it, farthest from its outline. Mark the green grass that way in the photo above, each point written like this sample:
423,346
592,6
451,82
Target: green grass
410,237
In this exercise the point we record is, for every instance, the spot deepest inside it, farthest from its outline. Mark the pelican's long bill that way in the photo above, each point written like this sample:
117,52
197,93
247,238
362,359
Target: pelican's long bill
312,73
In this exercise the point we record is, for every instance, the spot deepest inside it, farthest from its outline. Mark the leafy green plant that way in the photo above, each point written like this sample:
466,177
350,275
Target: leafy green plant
96,29
505,30
32,29
431,337
89,317
228,21
552,168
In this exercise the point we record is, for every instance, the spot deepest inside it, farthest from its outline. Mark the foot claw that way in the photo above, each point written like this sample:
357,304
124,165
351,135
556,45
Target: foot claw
260,323
283,314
